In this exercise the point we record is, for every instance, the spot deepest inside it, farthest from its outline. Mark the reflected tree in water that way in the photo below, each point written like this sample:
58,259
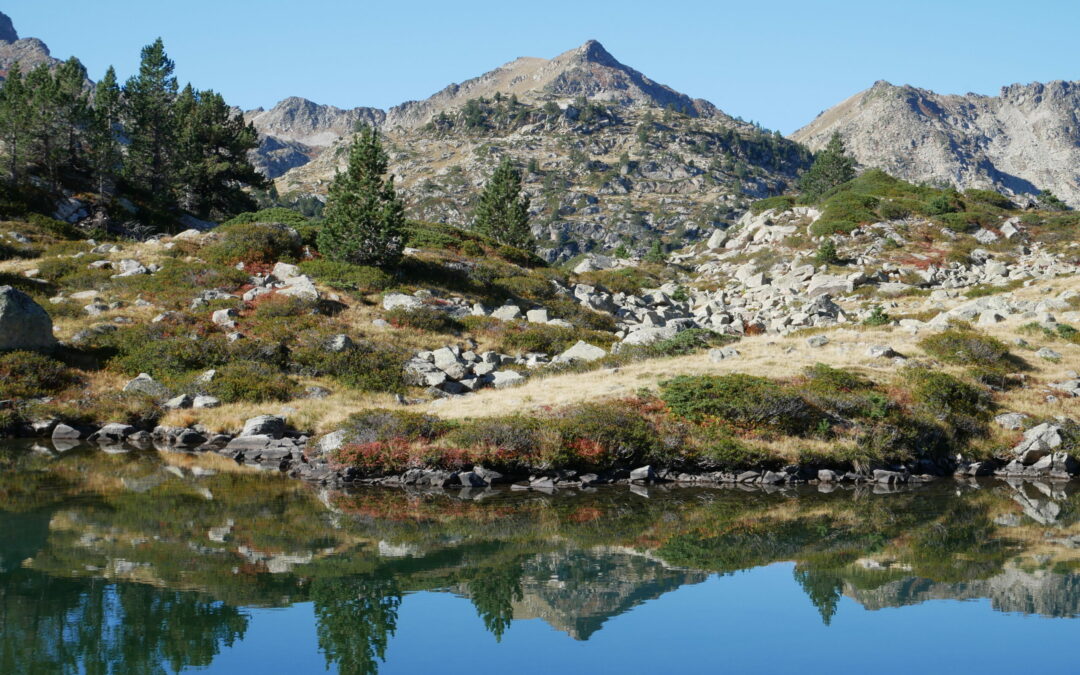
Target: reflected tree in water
356,618
823,587
70,626
493,592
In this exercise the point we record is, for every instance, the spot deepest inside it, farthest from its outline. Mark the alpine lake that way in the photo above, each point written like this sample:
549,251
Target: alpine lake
152,562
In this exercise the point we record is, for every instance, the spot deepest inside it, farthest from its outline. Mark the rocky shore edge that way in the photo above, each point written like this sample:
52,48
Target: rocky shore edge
266,442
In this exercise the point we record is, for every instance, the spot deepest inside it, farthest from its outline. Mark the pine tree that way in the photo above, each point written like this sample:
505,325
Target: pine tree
15,121
45,132
103,141
212,156
364,219
151,124
73,113
831,167
503,211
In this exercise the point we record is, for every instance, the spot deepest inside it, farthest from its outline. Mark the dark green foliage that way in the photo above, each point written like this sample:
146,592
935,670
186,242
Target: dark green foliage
276,214
744,401
1049,201
782,203
151,124
503,209
724,453
266,243
966,348
826,253
429,319
517,434
57,228
364,219
346,276
989,197
689,341
831,167
30,375
250,381
878,317
366,366
601,435
656,254
963,407
940,204
386,425
213,145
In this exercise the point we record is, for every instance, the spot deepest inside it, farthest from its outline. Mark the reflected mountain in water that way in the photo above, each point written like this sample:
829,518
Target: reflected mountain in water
147,559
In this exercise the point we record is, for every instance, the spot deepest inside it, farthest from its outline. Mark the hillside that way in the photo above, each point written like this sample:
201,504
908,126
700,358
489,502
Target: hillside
612,157
1024,140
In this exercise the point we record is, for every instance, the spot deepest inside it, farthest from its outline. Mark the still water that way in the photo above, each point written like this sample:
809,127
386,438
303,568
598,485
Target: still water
145,562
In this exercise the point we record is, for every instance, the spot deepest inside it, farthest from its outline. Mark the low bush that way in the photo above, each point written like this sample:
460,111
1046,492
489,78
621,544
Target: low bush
964,408
599,436
284,306
346,276
727,454
57,228
742,401
782,203
966,348
250,381
265,243
427,318
32,375
377,425
519,435
366,366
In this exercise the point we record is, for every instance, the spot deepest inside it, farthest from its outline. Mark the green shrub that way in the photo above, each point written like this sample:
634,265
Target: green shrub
689,341
727,454
57,228
518,435
966,348
177,281
845,393
877,317
163,351
601,435
526,287
283,306
995,199
32,375
346,276
426,318
366,366
963,407
250,381
743,401
781,202
272,215
542,338
265,243
59,268
940,204
371,426
826,254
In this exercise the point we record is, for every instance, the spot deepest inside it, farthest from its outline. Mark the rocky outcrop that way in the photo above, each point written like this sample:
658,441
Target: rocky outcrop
27,52
1024,140
24,324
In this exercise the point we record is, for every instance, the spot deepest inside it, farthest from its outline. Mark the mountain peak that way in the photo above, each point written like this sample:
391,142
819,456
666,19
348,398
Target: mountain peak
594,52
7,29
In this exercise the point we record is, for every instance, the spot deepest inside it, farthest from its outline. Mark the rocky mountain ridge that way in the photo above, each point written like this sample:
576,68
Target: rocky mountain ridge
27,52
1022,141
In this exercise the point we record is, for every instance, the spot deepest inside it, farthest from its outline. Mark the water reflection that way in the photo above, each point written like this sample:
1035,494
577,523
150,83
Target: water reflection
141,562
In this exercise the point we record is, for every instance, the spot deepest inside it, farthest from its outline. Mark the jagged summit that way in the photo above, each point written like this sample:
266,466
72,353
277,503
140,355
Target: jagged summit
1024,140
7,29
27,52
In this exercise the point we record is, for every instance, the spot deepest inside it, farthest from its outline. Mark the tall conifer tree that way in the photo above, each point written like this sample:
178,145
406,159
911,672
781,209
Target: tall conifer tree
503,211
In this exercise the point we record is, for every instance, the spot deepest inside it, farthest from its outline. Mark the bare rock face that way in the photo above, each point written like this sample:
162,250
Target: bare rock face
1022,141
23,322
7,29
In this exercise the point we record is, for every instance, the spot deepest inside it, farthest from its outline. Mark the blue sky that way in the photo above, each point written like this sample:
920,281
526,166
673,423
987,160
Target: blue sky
779,63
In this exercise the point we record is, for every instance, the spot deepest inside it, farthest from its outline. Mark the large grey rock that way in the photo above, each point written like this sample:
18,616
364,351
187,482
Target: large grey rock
582,351
301,287
650,335
401,301
501,379
264,425
146,385
507,313
24,324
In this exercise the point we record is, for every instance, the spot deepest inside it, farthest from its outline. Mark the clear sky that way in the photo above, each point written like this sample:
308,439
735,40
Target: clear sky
776,62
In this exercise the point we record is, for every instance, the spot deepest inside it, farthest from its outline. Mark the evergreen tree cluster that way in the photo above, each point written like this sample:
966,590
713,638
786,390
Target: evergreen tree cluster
832,167
164,147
